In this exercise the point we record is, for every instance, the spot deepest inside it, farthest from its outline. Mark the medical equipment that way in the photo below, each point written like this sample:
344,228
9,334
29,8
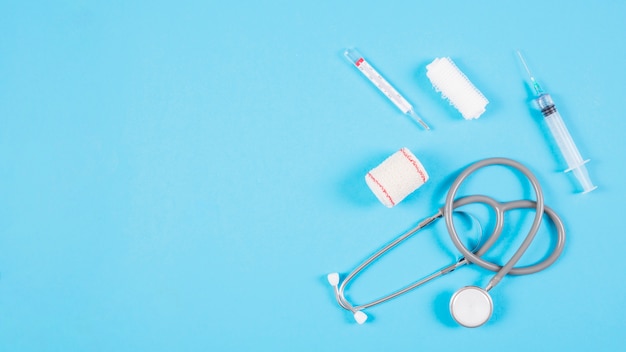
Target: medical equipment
396,177
446,78
381,83
471,306
559,132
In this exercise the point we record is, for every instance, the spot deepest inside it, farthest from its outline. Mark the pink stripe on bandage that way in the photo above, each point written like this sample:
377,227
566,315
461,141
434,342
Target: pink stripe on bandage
369,174
417,167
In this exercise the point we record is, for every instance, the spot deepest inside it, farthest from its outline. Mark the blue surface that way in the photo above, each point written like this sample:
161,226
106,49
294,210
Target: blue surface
183,175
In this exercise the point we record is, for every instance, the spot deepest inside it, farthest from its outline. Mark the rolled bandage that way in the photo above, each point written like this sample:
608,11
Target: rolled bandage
456,88
396,177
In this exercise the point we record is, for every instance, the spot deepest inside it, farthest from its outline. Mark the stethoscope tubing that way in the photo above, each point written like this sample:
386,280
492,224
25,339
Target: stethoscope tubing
500,209
469,256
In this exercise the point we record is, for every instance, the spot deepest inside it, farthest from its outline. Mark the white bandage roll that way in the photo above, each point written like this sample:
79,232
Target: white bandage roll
456,87
396,177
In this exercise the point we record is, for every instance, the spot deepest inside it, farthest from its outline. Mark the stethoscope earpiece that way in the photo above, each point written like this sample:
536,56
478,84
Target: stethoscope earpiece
360,317
471,306
333,279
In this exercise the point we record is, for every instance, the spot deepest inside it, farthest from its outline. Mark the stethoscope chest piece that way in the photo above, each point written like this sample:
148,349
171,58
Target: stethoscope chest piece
471,306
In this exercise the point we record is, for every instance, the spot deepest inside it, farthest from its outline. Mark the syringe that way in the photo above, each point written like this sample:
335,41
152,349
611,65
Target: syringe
560,133
381,83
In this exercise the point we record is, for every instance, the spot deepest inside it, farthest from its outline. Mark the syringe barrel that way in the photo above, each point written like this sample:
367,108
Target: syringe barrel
544,101
559,132
564,141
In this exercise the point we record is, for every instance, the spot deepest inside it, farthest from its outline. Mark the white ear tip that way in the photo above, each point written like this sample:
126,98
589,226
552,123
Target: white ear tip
333,279
360,317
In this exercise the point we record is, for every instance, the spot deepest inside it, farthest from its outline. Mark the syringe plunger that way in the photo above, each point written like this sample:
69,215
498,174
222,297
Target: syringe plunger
565,142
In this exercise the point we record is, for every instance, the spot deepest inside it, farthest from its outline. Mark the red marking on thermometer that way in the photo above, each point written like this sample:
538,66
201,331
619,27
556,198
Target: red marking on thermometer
383,85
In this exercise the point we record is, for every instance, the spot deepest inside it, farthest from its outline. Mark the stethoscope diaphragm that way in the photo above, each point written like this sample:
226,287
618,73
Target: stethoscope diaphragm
471,306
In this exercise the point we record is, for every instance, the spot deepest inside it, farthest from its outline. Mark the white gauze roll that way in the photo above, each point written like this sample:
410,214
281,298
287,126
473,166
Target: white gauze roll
396,177
454,86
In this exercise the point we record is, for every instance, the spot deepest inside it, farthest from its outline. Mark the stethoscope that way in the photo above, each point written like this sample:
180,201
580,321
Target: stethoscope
470,306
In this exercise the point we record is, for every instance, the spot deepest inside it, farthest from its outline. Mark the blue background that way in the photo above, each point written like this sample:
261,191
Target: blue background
183,175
